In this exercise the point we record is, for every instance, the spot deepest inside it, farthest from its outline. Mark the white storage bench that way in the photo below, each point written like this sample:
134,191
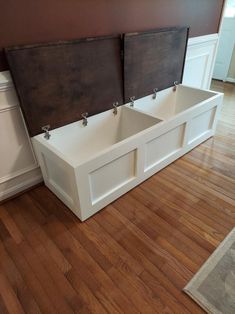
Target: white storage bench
87,174
104,114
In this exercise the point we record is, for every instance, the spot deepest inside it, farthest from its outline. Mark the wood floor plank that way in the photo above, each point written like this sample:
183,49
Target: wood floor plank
150,262
9,297
19,286
90,272
190,206
174,233
119,298
159,228
30,277
40,248
191,194
10,225
50,246
174,214
3,309
216,182
134,256
46,279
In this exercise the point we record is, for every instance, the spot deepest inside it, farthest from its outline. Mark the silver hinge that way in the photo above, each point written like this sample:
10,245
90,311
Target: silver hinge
46,129
155,90
115,111
132,99
84,117
175,85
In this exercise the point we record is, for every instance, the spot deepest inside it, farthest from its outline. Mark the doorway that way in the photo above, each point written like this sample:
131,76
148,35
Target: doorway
224,69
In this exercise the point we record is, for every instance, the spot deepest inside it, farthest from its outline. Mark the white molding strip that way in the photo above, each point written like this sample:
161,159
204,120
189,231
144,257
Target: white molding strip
5,81
9,108
205,39
19,173
20,187
230,79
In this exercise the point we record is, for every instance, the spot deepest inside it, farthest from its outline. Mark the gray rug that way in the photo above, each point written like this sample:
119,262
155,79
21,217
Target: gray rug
213,286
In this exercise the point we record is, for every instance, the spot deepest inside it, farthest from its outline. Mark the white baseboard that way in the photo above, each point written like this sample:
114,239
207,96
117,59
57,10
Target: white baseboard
230,79
19,184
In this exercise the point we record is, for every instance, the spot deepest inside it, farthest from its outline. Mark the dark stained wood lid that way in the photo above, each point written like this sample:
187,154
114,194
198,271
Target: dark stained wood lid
57,82
153,59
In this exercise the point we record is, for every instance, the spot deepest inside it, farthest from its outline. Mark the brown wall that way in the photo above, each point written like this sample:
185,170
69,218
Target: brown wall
34,21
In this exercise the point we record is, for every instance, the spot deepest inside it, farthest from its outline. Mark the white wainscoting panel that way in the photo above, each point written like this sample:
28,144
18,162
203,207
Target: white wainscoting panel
19,169
200,60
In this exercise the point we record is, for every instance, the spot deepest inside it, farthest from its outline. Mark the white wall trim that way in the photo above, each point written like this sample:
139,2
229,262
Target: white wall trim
18,173
20,187
22,179
6,84
8,108
5,81
35,164
205,39
200,60
230,79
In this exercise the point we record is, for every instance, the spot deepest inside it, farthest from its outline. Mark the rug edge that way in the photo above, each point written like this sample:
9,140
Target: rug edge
191,285
203,306
201,270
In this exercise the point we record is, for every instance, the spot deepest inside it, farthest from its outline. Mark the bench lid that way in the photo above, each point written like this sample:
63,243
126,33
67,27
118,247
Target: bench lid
153,60
58,82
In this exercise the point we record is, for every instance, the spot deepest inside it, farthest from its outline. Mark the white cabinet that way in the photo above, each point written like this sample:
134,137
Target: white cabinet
89,167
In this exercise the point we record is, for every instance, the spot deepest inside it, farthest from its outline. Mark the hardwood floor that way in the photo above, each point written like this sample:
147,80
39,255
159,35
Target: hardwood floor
134,256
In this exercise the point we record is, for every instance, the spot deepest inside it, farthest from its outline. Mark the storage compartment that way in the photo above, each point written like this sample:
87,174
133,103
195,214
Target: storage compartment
168,103
79,143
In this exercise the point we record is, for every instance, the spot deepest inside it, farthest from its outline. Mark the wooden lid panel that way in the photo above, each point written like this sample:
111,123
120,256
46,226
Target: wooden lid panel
153,59
58,82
